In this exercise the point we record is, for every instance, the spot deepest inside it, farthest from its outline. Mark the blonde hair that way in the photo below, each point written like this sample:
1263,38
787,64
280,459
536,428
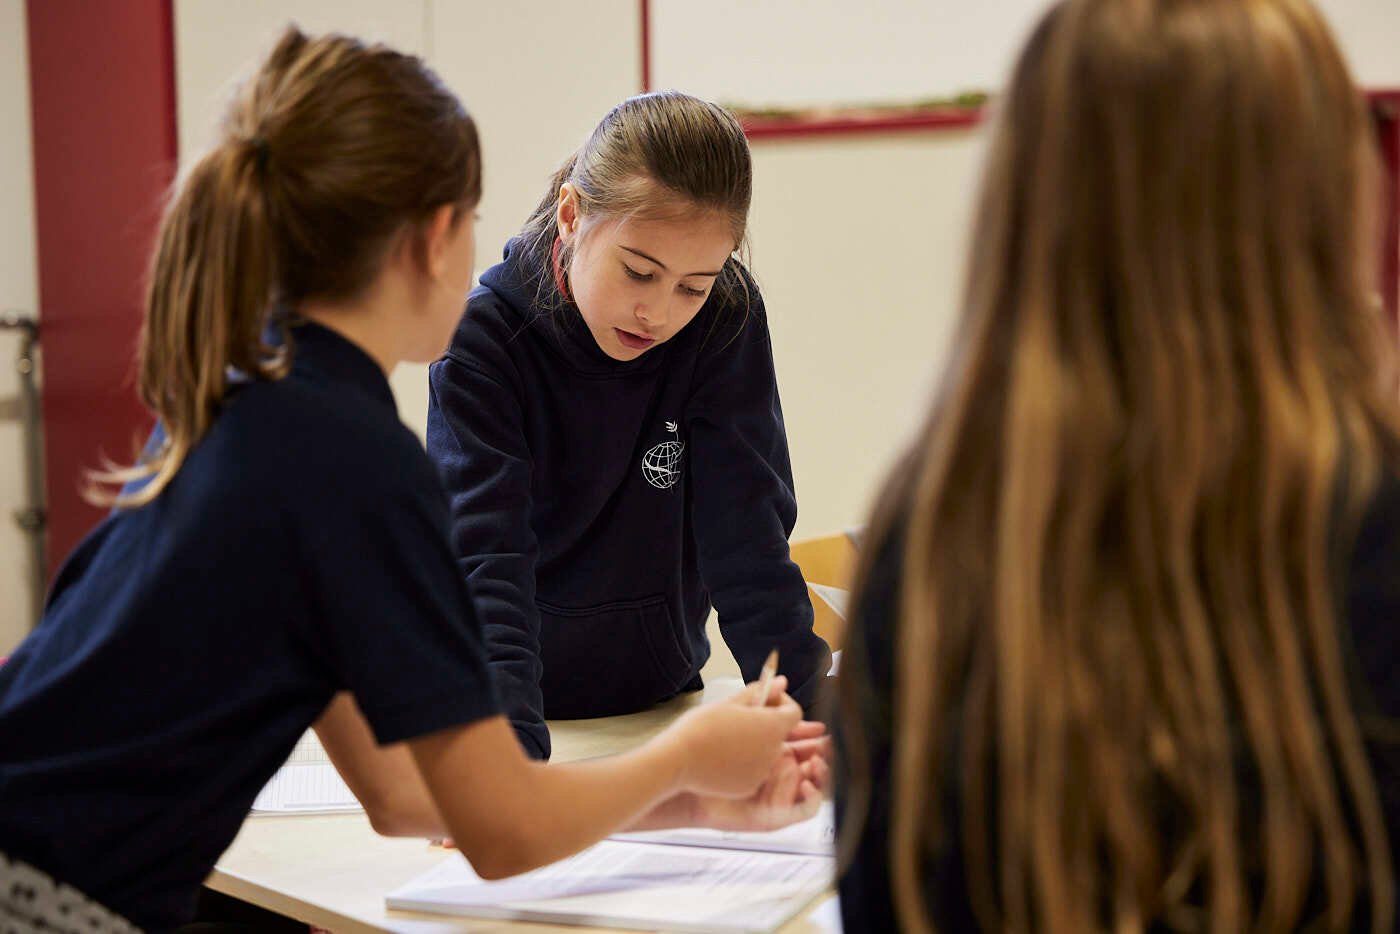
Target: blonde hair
1170,400
662,154
326,153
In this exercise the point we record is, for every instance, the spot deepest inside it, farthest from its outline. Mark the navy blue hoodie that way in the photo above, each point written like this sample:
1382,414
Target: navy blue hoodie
599,507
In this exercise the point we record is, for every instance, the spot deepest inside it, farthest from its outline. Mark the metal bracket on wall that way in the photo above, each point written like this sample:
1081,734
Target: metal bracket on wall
31,518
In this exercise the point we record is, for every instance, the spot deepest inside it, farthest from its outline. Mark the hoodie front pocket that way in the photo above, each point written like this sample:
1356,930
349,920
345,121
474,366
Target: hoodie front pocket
609,659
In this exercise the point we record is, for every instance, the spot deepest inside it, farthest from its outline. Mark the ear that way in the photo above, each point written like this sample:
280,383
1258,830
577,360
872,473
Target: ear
436,238
566,212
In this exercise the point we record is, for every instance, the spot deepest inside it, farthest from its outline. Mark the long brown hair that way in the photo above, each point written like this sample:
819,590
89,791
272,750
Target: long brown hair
325,155
661,154
1169,402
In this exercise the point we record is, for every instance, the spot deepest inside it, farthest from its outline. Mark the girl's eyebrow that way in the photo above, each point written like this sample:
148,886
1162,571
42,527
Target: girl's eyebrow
653,259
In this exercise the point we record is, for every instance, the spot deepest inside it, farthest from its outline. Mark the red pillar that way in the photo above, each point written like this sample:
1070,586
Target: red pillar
102,86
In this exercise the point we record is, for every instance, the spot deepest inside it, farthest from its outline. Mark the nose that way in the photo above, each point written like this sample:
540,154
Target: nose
654,315
651,317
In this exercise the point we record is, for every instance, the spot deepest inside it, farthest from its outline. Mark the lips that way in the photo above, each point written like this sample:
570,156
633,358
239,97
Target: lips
633,341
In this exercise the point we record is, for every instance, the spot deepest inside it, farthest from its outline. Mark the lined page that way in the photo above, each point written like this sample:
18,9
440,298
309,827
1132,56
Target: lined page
640,886
815,836
306,784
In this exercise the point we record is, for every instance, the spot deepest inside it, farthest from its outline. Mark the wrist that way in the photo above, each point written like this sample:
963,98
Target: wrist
670,754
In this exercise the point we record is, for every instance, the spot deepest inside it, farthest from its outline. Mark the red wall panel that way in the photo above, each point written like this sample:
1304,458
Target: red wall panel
103,99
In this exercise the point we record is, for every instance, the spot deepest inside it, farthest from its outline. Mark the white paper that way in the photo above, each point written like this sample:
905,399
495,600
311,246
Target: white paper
835,597
826,917
639,886
815,836
306,784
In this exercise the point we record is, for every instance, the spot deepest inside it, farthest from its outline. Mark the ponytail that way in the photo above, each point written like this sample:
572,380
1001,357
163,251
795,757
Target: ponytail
329,152
649,155
206,307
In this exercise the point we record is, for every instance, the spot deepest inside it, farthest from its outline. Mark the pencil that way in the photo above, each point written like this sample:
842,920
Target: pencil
765,678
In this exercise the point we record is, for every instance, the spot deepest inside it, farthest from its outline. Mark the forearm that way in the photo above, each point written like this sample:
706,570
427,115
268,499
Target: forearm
679,810
537,812
593,799
383,778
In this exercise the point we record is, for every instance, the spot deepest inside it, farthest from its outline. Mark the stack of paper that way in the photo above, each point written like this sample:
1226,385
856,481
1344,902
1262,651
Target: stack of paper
682,880
814,837
306,784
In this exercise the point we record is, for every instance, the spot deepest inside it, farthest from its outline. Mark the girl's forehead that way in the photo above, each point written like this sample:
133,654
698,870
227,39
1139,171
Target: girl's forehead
686,243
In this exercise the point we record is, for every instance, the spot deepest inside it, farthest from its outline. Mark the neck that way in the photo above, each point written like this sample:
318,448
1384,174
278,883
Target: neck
366,322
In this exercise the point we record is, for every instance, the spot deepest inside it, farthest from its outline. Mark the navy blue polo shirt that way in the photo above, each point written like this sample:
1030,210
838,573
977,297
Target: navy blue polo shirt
301,550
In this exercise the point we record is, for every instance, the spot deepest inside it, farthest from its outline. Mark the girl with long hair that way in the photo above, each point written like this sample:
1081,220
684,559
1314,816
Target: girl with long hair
1125,637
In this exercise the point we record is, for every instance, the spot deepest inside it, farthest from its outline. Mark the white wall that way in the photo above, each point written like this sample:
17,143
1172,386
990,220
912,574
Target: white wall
19,291
857,241
535,76
798,52
1369,34
858,244
785,52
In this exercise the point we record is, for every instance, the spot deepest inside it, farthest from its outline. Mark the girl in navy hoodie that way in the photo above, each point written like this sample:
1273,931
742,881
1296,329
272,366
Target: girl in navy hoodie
607,424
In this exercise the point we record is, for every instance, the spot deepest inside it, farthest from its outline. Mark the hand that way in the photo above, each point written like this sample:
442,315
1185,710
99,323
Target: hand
792,793
809,739
729,749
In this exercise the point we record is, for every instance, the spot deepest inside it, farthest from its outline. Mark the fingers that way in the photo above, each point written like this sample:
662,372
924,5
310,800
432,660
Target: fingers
790,710
806,748
818,772
777,689
749,695
809,800
783,788
807,729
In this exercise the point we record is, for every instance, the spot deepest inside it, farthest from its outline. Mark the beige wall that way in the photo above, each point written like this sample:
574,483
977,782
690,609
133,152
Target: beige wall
858,244
19,291
857,241
1368,31
836,51
533,87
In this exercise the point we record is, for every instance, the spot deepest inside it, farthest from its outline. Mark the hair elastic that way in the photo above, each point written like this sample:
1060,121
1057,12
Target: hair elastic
557,268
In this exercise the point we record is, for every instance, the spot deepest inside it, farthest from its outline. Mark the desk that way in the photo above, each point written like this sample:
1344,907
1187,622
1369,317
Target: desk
334,870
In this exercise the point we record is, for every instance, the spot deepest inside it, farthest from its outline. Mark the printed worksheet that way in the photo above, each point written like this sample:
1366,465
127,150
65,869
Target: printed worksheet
306,784
639,886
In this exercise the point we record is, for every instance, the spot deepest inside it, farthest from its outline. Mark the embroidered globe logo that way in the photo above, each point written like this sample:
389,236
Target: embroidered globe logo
662,464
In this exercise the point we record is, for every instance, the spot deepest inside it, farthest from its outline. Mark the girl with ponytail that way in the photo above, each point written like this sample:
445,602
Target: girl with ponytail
280,556
607,424
1124,655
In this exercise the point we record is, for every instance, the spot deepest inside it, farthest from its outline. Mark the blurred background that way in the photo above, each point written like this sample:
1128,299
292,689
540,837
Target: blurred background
857,229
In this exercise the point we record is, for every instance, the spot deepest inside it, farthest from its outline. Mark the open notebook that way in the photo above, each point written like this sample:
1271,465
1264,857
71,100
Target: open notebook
677,880
306,784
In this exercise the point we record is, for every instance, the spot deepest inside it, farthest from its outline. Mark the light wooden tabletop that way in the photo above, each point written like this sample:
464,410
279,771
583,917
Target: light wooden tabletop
333,870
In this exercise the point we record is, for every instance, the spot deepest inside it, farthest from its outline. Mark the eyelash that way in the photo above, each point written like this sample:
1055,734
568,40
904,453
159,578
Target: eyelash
640,277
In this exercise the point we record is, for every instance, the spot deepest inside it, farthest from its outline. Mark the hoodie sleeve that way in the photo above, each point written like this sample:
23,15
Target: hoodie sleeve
475,438
743,507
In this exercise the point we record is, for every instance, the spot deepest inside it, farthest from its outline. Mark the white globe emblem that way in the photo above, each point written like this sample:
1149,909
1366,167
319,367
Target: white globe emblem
662,464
